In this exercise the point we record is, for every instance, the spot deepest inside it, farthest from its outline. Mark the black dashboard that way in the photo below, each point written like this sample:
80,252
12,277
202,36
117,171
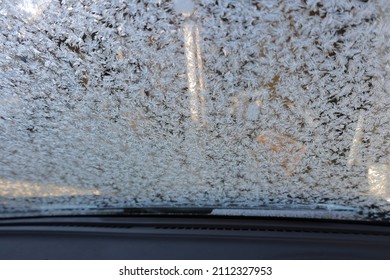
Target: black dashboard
190,237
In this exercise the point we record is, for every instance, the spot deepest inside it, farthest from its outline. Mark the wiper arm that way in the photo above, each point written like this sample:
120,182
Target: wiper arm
160,210
292,211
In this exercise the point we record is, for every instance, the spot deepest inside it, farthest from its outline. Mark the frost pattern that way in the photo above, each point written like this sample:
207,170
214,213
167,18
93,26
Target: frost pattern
238,104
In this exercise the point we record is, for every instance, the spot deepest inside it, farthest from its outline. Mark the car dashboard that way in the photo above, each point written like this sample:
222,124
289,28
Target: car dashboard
190,237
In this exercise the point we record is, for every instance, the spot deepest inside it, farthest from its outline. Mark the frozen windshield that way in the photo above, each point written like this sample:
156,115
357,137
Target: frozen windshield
253,105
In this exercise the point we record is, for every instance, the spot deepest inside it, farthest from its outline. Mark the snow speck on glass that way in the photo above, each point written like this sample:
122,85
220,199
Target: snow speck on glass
253,105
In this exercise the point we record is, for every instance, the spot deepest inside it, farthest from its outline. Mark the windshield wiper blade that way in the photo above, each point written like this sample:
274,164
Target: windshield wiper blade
161,210
293,210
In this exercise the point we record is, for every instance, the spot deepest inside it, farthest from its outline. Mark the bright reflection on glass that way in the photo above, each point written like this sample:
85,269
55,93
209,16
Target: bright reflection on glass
194,70
28,189
357,139
378,179
33,8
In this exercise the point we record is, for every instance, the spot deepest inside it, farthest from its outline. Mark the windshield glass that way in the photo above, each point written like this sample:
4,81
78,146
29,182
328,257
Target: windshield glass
248,107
